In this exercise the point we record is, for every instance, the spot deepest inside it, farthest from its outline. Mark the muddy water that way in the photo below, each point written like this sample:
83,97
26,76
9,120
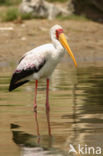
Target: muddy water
75,117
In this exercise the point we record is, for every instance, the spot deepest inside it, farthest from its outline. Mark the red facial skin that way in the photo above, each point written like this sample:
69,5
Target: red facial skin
58,32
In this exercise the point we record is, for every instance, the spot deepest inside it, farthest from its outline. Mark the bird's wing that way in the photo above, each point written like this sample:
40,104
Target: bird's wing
29,64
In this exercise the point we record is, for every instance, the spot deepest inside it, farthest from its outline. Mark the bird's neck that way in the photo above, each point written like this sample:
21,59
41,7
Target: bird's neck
57,45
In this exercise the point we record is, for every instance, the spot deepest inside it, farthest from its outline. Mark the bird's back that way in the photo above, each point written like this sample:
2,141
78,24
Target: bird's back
30,63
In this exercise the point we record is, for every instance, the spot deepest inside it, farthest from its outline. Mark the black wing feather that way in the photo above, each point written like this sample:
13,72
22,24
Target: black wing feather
19,75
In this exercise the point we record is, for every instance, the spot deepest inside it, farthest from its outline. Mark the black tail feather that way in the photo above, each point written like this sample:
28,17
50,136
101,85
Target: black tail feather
16,81
15,85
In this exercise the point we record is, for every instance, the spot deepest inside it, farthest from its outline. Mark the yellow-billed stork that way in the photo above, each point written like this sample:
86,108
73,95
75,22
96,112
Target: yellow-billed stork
41,61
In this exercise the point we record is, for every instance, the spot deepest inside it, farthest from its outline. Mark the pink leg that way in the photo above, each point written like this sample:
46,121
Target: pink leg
35,110
48,120
48,107
47,96
35,104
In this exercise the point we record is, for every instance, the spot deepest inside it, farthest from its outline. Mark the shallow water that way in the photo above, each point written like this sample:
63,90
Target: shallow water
76,113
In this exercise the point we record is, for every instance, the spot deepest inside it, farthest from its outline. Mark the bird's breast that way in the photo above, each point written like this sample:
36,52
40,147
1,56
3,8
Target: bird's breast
49,66
58,55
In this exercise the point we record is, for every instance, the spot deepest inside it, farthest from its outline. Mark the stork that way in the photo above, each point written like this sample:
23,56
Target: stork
40,62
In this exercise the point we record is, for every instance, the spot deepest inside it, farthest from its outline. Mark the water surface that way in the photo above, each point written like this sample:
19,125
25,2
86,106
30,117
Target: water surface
76,113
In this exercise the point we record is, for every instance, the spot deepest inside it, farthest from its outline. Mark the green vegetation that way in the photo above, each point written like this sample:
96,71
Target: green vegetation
25,16
12,14
10,2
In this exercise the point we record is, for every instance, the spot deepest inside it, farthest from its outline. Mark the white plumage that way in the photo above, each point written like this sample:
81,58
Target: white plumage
49,52
41,61
36,56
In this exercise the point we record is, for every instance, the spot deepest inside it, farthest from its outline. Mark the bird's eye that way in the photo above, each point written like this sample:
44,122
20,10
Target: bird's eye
58,32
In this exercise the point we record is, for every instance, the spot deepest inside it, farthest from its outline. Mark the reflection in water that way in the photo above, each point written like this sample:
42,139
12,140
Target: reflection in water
75,117
37,124
91,114
29,144
88,108
36,121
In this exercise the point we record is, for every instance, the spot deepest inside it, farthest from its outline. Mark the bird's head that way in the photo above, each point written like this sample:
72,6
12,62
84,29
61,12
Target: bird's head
57,33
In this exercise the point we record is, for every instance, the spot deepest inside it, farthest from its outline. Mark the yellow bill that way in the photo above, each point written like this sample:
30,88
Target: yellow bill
64,43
